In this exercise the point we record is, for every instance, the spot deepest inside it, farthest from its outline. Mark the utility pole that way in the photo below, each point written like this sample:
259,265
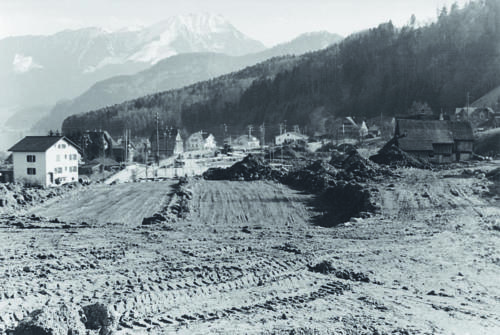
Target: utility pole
157,139
263,134
468,97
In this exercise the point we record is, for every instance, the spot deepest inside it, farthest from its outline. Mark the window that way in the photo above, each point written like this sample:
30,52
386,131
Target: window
65,156
59,170
31,158
31,171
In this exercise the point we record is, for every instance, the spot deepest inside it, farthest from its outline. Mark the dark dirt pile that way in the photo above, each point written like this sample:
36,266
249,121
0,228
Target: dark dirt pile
488,143
327,268
177,207
314,178
68,319
344,201
16,196
250,168
393,156
494,175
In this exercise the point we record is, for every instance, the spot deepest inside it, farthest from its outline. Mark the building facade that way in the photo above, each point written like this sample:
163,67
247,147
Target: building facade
290,137
200,141
434,140
45,160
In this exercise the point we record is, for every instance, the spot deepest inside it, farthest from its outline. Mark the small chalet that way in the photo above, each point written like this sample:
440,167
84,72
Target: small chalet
435,140
169,143
291,137
200,141
45,160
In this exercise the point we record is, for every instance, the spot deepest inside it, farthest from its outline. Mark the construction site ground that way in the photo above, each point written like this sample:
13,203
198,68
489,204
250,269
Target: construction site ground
244,260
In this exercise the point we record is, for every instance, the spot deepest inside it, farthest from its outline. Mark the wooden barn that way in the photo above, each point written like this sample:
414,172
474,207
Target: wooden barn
435,140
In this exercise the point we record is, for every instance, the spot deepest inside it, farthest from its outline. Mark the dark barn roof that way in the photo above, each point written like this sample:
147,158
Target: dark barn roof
419,135
462,131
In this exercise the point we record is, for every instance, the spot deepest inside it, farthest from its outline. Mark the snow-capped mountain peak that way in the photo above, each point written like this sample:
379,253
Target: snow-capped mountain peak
200,32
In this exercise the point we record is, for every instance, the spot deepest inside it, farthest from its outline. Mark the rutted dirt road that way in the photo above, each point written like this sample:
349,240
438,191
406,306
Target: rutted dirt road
241,263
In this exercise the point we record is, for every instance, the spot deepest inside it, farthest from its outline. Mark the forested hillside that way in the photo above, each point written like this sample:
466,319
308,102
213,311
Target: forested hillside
380,71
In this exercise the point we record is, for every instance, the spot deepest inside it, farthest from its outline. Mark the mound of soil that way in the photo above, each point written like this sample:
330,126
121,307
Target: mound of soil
314,178
488,143
342,202
99,317
494,175
15,196
393,156
326,267
177,207
63,319
250,168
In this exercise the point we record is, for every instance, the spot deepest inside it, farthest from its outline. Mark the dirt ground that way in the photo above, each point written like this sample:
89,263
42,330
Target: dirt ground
242,261
126,203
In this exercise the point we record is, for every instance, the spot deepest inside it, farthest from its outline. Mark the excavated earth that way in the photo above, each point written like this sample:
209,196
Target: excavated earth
248,258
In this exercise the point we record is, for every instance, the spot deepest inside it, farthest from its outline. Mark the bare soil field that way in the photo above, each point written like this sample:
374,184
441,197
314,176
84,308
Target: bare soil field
249,260
126,203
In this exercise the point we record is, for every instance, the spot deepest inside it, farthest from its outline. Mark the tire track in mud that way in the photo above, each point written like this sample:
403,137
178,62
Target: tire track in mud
230,281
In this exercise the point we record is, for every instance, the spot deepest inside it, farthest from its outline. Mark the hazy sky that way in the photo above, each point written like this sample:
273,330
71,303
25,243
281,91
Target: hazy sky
270,21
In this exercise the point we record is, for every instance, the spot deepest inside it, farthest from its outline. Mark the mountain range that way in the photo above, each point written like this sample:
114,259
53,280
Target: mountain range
171,73
40,70
381,71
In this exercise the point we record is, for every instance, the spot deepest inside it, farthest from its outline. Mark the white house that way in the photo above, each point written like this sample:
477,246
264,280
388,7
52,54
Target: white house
290,137
45,160
201,141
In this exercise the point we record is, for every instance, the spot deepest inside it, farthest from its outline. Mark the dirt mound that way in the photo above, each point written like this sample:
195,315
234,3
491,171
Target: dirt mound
99,317
393,156
488,143
494,175
60,320
342,202
314,178
326,267
250,168
177,206
16,196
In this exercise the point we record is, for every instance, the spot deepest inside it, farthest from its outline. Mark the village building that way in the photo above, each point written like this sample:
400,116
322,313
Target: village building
167,143
479,117
290,137
45,160
434,140
349,128
200,141
246,142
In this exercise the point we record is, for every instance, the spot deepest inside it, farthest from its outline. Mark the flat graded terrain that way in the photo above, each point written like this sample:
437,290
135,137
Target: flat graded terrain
244,262
125,203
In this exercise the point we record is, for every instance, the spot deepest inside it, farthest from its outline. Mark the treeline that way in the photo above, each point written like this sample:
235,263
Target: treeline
139,115
380,71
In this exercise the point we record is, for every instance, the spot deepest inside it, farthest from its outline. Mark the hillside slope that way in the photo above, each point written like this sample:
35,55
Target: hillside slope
175,72
380,71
